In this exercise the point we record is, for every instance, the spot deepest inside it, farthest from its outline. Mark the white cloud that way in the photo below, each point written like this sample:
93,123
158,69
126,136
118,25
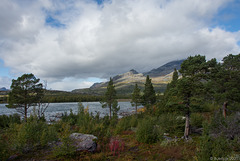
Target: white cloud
69,84
99,41
5,82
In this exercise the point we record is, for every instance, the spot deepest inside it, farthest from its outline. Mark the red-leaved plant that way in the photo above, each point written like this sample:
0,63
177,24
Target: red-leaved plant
116,146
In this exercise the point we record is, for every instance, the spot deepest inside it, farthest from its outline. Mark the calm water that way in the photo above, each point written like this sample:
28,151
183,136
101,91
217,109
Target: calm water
56,109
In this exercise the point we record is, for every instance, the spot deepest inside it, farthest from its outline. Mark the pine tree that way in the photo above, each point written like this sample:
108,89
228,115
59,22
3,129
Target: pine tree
149,95
173,83
110,98
136,97
26,91
193,72
167,104
225,80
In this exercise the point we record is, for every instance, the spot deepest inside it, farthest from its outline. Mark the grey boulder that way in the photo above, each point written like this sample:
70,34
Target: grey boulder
84,142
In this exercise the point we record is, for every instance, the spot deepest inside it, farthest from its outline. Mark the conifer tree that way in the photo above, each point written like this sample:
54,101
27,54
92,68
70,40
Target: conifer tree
225,80
149,95
136,97
110,98
26,91
173,83
167,104
193,72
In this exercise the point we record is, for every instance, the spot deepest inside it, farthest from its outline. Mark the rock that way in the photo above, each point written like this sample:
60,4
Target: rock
84,142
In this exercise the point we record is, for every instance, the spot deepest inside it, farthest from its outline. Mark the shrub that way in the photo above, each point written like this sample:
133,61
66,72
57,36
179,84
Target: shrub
220,137
126,123
196,120
171,123
116,146
213,147
146,131
133,121
123,124
71,118
48,135
64,148
26,136
5,120
4,150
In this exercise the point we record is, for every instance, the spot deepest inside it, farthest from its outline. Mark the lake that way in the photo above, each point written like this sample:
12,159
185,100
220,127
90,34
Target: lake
56,109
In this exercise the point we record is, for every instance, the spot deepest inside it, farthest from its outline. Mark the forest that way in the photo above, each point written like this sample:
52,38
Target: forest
197,118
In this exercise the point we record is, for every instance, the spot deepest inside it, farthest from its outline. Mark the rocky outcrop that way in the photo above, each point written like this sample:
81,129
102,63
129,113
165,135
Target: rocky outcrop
84,142
165,69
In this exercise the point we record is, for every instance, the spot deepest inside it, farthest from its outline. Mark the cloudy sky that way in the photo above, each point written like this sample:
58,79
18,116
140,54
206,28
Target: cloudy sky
74,43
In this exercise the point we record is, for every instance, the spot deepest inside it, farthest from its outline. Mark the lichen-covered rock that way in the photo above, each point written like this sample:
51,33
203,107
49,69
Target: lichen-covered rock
84,142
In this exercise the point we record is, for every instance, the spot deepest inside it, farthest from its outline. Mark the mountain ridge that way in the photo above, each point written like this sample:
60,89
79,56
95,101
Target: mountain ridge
164,69
124,83
3,89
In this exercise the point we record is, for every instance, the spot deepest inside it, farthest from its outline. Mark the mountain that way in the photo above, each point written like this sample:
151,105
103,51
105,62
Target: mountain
124,83
3,89
165,69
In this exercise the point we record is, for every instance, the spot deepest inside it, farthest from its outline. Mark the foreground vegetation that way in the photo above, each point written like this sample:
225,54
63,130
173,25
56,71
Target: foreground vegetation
197,118
135,137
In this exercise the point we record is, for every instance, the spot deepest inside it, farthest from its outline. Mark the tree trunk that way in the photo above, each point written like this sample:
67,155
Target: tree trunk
187,123
187,126
25,112
110,112
224,109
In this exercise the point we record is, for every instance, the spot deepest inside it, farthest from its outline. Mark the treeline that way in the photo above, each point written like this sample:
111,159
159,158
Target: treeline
78,98
71,98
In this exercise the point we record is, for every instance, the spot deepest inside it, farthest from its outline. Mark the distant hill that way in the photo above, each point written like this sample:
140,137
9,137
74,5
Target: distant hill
3,89
165,69
124,83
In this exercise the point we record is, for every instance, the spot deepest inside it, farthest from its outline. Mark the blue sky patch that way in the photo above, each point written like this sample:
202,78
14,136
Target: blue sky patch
54,22
228,17
99,1
238,43
4,71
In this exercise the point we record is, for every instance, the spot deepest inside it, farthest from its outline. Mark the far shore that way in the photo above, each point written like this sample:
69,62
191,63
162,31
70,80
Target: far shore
124,100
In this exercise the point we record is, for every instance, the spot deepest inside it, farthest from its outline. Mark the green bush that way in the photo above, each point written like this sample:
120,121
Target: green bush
123,125
28,135
4,149
213,147
65,148
84,122
134,121
5,120
196,120
171,123
215,141
146,131
220,147
126,123
71,118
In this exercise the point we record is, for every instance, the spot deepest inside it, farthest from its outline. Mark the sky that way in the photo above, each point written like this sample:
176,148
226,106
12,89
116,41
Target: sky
72,44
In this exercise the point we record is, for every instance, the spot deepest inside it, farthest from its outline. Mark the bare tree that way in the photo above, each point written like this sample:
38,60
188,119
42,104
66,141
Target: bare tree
42,106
